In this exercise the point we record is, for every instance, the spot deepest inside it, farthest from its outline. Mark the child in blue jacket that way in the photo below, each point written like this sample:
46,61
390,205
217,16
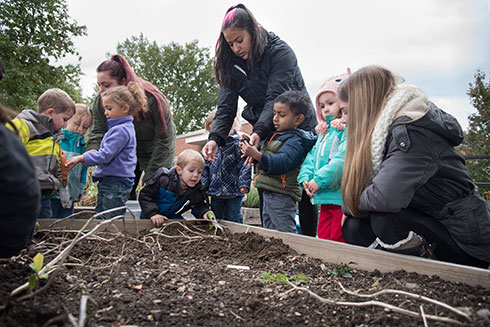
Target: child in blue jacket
227,178
321,172
171,192
279,161
73,144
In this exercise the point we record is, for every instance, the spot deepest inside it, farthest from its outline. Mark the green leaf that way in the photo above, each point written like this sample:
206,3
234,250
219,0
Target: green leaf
347,275
38,262
44,276
32,282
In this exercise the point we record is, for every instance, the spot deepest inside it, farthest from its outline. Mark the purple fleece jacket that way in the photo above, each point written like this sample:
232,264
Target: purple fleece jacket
117,153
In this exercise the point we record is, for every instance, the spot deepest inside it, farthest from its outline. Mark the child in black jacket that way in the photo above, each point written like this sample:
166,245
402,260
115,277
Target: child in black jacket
171,192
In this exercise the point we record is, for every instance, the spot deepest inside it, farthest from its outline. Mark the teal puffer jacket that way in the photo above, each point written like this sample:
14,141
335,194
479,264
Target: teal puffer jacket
324,163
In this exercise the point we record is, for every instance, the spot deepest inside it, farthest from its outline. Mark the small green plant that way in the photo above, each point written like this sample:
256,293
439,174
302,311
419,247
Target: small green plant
340,271
36,265
270,278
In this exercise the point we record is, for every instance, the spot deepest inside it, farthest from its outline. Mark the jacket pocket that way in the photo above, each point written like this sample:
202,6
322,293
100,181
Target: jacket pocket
467,219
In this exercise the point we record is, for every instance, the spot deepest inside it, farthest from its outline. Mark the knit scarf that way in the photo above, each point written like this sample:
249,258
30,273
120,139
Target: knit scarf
404,100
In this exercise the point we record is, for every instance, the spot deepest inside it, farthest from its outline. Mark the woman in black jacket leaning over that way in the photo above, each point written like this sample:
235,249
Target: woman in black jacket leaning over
257,66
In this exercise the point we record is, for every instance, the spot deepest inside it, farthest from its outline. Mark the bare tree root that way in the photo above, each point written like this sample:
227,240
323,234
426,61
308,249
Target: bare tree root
379,304
197,235
412,295
61,257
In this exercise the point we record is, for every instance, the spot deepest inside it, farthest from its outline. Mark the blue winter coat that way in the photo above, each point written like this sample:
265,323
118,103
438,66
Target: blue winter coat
228,173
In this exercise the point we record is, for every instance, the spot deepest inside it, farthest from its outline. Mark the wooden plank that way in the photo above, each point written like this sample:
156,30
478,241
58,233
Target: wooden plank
329,251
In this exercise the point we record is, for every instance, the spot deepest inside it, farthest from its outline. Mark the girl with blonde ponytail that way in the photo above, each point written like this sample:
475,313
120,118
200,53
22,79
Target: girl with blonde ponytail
116,157
405,189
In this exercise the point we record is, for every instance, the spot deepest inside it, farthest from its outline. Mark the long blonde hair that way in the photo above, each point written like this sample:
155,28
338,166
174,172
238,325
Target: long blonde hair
365,91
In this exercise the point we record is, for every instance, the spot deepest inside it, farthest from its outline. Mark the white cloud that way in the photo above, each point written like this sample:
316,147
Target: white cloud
459,107
435,38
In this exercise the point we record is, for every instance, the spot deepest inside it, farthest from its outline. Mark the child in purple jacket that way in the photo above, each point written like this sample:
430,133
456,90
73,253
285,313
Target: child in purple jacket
116,157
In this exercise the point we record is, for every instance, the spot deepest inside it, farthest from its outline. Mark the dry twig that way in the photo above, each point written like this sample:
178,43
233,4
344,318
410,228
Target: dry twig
369,303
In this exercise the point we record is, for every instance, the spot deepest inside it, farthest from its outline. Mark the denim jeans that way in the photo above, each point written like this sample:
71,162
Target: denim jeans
58,211
229,209
46,212
111,196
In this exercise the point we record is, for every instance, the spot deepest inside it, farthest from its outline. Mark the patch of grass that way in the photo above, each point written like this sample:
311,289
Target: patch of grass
271,278
341,271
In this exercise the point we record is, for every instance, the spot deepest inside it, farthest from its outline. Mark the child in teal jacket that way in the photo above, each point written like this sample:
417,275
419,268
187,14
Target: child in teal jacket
73,144
321,171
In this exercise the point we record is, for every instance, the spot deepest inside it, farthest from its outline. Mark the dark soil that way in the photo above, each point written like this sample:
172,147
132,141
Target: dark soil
184,280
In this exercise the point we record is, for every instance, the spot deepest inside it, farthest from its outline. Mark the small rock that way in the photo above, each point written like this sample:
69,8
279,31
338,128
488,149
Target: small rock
222,282
411,286
484,313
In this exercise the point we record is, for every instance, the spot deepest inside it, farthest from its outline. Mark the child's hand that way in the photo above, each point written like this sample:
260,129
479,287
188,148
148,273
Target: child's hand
73,161
251,152
158,220
244,190
338,124
306,186
313,186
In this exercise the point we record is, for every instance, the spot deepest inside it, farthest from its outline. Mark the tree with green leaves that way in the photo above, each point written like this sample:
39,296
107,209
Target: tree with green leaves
34,35
183,73
477,137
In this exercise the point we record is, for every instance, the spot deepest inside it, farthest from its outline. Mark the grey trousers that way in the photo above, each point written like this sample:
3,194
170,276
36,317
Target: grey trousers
278,212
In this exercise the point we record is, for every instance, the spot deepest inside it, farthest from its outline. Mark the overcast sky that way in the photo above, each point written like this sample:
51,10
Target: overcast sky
434,44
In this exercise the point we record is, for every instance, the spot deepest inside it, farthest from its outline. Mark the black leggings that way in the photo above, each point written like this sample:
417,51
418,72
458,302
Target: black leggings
393,227
308,216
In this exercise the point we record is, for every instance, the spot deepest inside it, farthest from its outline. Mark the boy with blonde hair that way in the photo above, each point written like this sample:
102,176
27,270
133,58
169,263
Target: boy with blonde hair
41,133
171,192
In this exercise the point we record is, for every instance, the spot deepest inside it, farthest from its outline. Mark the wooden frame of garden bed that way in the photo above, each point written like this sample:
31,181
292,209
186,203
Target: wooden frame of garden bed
328,251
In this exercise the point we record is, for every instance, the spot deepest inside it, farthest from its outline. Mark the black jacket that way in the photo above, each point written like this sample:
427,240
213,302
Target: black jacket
422,170
19,192
277,72
160,195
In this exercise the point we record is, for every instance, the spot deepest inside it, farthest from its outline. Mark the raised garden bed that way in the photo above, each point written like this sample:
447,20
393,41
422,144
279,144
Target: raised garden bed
185,276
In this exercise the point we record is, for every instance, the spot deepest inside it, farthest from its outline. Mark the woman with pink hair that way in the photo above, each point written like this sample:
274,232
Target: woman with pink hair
257,66
155,130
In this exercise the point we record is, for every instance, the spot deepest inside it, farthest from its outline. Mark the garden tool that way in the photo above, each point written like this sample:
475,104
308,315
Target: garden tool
65,189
